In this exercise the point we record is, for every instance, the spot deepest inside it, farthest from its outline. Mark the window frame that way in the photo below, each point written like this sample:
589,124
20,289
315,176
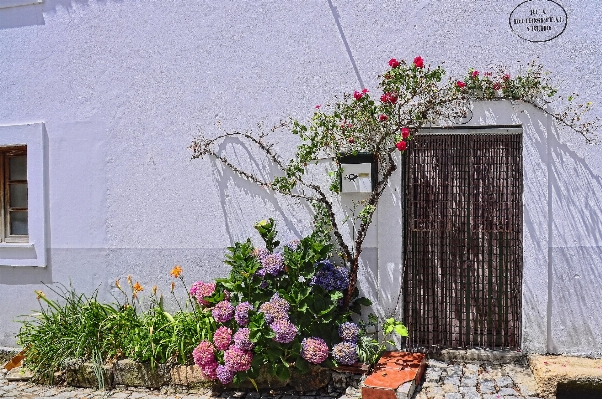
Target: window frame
30,252
5,183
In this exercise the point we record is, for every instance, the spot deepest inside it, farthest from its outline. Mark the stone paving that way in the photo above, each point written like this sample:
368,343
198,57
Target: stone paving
476,381
441,381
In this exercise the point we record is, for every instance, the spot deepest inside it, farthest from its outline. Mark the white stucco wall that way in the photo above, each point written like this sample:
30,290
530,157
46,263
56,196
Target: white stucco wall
123,87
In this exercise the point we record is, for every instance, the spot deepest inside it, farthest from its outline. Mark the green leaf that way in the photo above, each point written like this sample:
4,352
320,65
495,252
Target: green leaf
282,372
302,365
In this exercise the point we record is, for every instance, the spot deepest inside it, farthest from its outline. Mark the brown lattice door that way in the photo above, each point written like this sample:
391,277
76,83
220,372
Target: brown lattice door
463,239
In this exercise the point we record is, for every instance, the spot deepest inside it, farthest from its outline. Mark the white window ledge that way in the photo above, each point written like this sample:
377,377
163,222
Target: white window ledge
16,245
16,3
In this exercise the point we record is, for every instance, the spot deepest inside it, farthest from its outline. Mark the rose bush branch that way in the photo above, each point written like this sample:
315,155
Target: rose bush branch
412,95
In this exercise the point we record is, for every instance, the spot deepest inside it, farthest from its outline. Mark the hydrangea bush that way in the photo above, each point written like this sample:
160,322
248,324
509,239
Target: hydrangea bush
276,310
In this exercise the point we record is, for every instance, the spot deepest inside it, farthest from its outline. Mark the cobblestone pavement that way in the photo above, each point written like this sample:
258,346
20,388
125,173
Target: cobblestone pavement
476,381
441,381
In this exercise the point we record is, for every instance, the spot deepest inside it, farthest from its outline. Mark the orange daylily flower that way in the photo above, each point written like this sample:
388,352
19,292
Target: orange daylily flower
173,286
155,290
176,271
137,287
118,285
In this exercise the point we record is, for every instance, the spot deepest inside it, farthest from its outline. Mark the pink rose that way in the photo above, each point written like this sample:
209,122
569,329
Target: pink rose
474,74
506,77
357,95
401,146
405,132
497,86
393,63
419,62
460,84
351,140
389,97
364,91
318,106
383,117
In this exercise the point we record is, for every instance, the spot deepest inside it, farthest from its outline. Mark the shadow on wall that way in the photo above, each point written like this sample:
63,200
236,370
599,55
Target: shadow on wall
576,249
244,203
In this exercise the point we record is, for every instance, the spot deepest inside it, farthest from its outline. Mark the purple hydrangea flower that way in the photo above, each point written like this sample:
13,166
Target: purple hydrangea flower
314,350
224,374
345,353
223,311
241,314
273,264
285,331
260,253
209,371
294,244
275,309
331,277
200,290
222,338
237,359
349,331
204,353
242,340
263,284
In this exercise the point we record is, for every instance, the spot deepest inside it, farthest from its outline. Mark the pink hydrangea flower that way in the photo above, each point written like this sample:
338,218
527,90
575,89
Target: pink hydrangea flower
314,350
237,359
200,290
204,353
222,338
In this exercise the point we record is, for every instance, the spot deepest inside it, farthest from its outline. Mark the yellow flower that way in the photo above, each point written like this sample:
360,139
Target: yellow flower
118,285
40,294
176,271
137,287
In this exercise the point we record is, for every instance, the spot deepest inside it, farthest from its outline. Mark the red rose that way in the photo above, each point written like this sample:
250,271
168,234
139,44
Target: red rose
475,74
460,84
318,106
364,91
497,86
506,77
405,132
351,140
357,95
419,62
401,146
393,63
383,117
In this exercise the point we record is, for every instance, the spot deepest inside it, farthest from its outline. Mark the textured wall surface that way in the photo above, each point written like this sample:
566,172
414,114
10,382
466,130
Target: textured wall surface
124,86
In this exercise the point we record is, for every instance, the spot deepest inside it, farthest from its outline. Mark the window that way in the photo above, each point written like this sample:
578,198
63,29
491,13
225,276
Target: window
13,185
23,193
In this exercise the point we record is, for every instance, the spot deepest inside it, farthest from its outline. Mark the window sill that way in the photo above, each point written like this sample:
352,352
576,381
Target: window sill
17,3
16,245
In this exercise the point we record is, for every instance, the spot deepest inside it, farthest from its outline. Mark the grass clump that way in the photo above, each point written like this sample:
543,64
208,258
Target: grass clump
77,326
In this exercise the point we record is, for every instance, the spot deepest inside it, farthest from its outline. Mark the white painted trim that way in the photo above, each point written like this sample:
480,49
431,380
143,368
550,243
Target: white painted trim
473,130
32,253
16,3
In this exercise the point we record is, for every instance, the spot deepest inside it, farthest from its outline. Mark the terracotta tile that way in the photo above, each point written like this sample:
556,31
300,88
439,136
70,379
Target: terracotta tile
389,378
377,393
